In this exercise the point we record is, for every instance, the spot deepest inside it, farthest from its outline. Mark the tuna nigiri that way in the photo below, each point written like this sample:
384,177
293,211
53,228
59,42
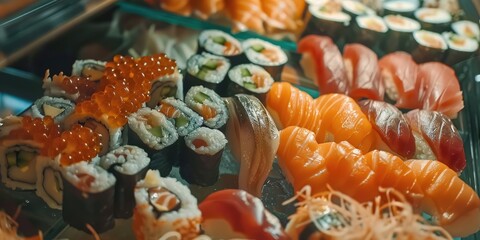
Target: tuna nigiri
205,8
437,138
246,15
323,63
452,203
343,120
394,133
341,166
363,72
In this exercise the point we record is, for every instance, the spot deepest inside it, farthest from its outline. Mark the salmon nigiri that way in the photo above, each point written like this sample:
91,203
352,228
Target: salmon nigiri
323,63
289,106
363,72
281,14
453,204
435,134
205,8
338,165
394,133
343,120
246,15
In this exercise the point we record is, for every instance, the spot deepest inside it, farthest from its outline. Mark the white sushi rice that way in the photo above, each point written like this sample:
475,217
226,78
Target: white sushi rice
363,22
433,15
467,44
460,27
128,160
186,218
420,35
14,177
259,58
138,123
214,76
46,188
102,179
205,40
235,75
78,65
215,140
342,17
406,25
214,101
400,6
195,120
357,7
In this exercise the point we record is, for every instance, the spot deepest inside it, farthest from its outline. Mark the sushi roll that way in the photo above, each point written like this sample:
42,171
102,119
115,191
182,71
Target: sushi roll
400,32
151,131
89,68
164,205
249,79
460,48
57,108
200,161
129,165
183,118
368,30
207,70
426,46
88,197
209,105
49,185
467,28
329,19
400,7
356,8
434,19
221,44
74,88
269,56
167,86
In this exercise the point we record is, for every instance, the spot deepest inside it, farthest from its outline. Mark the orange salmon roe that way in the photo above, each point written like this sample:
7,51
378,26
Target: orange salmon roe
76,84
76,145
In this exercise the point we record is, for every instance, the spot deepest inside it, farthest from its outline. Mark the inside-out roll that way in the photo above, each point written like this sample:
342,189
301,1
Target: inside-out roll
267,55
209,105
49,182
164,87
17,163
207,70
90,68
184,118
57,108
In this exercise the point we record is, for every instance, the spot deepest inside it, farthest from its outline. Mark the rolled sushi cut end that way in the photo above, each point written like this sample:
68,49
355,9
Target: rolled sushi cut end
373,23
209,105
167,86
89,68
49,182
427,46
206,141
401,24
57,108
249,78
208,67
400,33
401,7
368,30
329,19
467,28
356,8
459,48
219,43
433,19
183,118
164,205
264,53
17,164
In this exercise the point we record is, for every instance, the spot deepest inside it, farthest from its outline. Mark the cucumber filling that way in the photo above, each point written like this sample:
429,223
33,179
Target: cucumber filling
219,39
156,131
211,64
258,48
181,121
245,72
201,97
250,85
202,74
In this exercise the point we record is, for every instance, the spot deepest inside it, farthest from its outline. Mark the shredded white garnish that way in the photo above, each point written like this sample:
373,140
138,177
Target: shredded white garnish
390,219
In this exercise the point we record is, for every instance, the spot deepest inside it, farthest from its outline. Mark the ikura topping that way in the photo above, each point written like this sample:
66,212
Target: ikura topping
163,200
75,85
76,145
198,143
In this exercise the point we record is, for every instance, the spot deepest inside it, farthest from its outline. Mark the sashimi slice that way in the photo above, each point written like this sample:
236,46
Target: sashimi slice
280,14
363,72
391,126
181,7
452,203
441,135
323,63
205,8
246,15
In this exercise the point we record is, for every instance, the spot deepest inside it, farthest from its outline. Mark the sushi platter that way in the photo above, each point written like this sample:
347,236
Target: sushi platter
227,143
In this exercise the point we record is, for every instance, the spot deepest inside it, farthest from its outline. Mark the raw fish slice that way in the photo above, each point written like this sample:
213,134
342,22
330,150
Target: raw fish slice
441,135
343,120
253,137
181,7
323,62
340,166
300,8
391,172
453,204
290,106
392,127
246,15
205,8
280,14
399,73
441,89
364,74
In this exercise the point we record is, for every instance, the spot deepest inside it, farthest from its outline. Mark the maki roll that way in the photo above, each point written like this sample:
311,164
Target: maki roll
467,28
368,30
89,68
164,205
356,8
49,185
88,197
167,86
249,79
434,19
207,70
183,118
400,32
427,46
460,48
329,19
57,108
129,165
209,105
269,56
400,7
200,160
221,44
150,130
